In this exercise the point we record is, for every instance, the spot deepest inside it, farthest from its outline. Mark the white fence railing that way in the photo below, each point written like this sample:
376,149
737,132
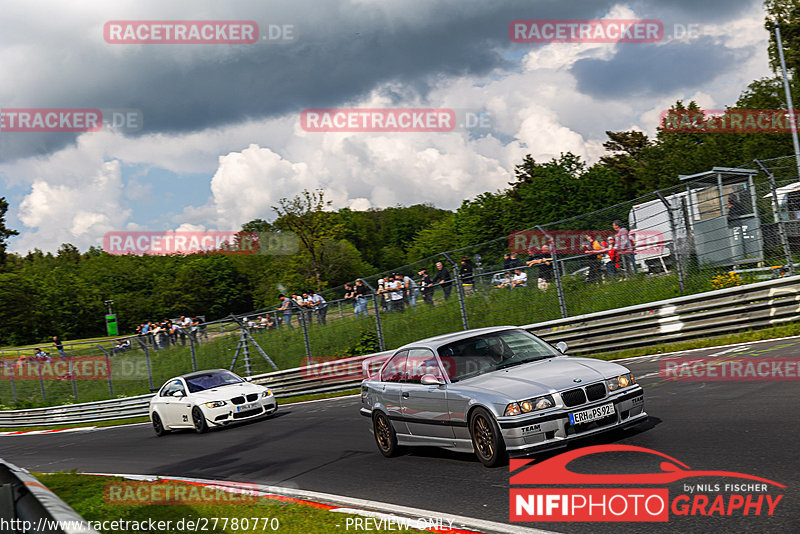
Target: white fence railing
712,313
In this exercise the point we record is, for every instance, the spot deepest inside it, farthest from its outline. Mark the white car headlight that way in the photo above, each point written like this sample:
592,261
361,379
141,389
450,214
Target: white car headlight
215,404
620,382
529,405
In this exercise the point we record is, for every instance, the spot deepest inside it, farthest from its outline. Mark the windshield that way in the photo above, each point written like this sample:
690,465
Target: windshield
211,380
489,352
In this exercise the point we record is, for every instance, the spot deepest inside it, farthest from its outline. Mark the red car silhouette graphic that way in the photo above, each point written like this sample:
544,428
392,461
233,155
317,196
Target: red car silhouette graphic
554,470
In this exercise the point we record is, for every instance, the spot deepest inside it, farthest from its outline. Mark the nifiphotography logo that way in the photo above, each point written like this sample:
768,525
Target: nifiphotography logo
633,497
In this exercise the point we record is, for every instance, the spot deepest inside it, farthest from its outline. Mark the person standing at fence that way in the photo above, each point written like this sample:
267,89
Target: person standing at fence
545,262
412,290
443,279
195,328
426,286
58,345
394,286
465,272
590,247
360,291
625,248
320,307
350,295
286,308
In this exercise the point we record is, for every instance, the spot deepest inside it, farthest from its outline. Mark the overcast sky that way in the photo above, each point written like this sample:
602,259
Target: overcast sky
221,140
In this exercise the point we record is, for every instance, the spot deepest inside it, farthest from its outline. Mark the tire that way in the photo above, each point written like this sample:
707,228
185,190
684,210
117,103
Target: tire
158,426
199,420
486,438
385,436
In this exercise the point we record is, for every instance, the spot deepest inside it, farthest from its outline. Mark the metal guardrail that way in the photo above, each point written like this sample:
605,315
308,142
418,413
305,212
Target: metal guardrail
27,506
755,305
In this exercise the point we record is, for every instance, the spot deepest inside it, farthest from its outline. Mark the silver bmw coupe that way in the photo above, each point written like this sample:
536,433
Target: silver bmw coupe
497,392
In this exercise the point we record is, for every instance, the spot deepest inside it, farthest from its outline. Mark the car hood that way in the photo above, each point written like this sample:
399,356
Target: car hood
543,376
227,392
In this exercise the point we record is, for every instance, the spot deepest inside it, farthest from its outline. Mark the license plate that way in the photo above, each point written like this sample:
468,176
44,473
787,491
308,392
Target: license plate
245,407
591,414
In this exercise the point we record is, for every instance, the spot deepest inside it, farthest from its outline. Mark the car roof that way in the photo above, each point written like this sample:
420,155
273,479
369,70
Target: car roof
444,339
201,373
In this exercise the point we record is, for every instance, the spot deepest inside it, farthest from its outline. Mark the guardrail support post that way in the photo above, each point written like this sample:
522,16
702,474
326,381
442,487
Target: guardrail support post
108,368
459,291
787,251
562,301
147,359
675,247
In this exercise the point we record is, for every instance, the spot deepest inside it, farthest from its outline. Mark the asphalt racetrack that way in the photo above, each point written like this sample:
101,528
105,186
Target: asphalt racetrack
744,427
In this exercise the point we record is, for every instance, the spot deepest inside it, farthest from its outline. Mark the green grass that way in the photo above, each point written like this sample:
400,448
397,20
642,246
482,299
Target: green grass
344,334
84,493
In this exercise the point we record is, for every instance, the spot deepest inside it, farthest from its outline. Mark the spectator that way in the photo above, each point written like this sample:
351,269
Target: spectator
513,261
302,308
182,329
545,262
465,272
269,322
360,291
612,262
173,333
520,279
40,355
394,287
625,248
350,295
122,345
58,345
320,307
443,279
411,291
382,291
506,282
507,262
591,246
735,209
426,285
194,328
286,308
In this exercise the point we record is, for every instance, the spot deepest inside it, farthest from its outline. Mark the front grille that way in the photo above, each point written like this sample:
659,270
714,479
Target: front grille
252,397
595,392
248,413
573,397
237,400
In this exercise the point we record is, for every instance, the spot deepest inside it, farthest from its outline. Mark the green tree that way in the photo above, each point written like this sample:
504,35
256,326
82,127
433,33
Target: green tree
306,215
5,232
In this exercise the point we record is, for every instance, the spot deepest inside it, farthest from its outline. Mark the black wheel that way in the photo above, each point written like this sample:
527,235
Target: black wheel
199,420
385,435
486,438
158,426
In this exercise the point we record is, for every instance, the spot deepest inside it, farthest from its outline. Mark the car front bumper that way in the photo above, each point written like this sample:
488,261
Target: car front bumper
227,414
553,429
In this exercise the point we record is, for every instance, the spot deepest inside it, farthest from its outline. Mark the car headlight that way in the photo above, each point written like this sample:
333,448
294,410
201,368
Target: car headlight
529,405
266,393
215,404
620,382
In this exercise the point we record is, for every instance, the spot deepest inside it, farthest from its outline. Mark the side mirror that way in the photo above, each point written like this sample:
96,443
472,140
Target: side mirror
430,380
561,347
178,394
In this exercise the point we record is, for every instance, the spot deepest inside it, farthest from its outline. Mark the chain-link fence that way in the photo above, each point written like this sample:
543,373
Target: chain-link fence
722,228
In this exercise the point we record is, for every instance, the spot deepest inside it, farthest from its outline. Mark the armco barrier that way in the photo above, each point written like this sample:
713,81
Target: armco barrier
706,314
25,499
755,305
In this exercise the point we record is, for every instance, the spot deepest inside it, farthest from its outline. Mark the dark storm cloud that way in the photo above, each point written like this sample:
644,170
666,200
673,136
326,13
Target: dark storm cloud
644,69
345,49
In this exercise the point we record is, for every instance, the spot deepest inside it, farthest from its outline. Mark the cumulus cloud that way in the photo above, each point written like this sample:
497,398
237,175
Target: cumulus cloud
74,213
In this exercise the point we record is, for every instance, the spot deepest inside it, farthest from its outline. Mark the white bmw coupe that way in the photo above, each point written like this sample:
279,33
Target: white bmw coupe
206,399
